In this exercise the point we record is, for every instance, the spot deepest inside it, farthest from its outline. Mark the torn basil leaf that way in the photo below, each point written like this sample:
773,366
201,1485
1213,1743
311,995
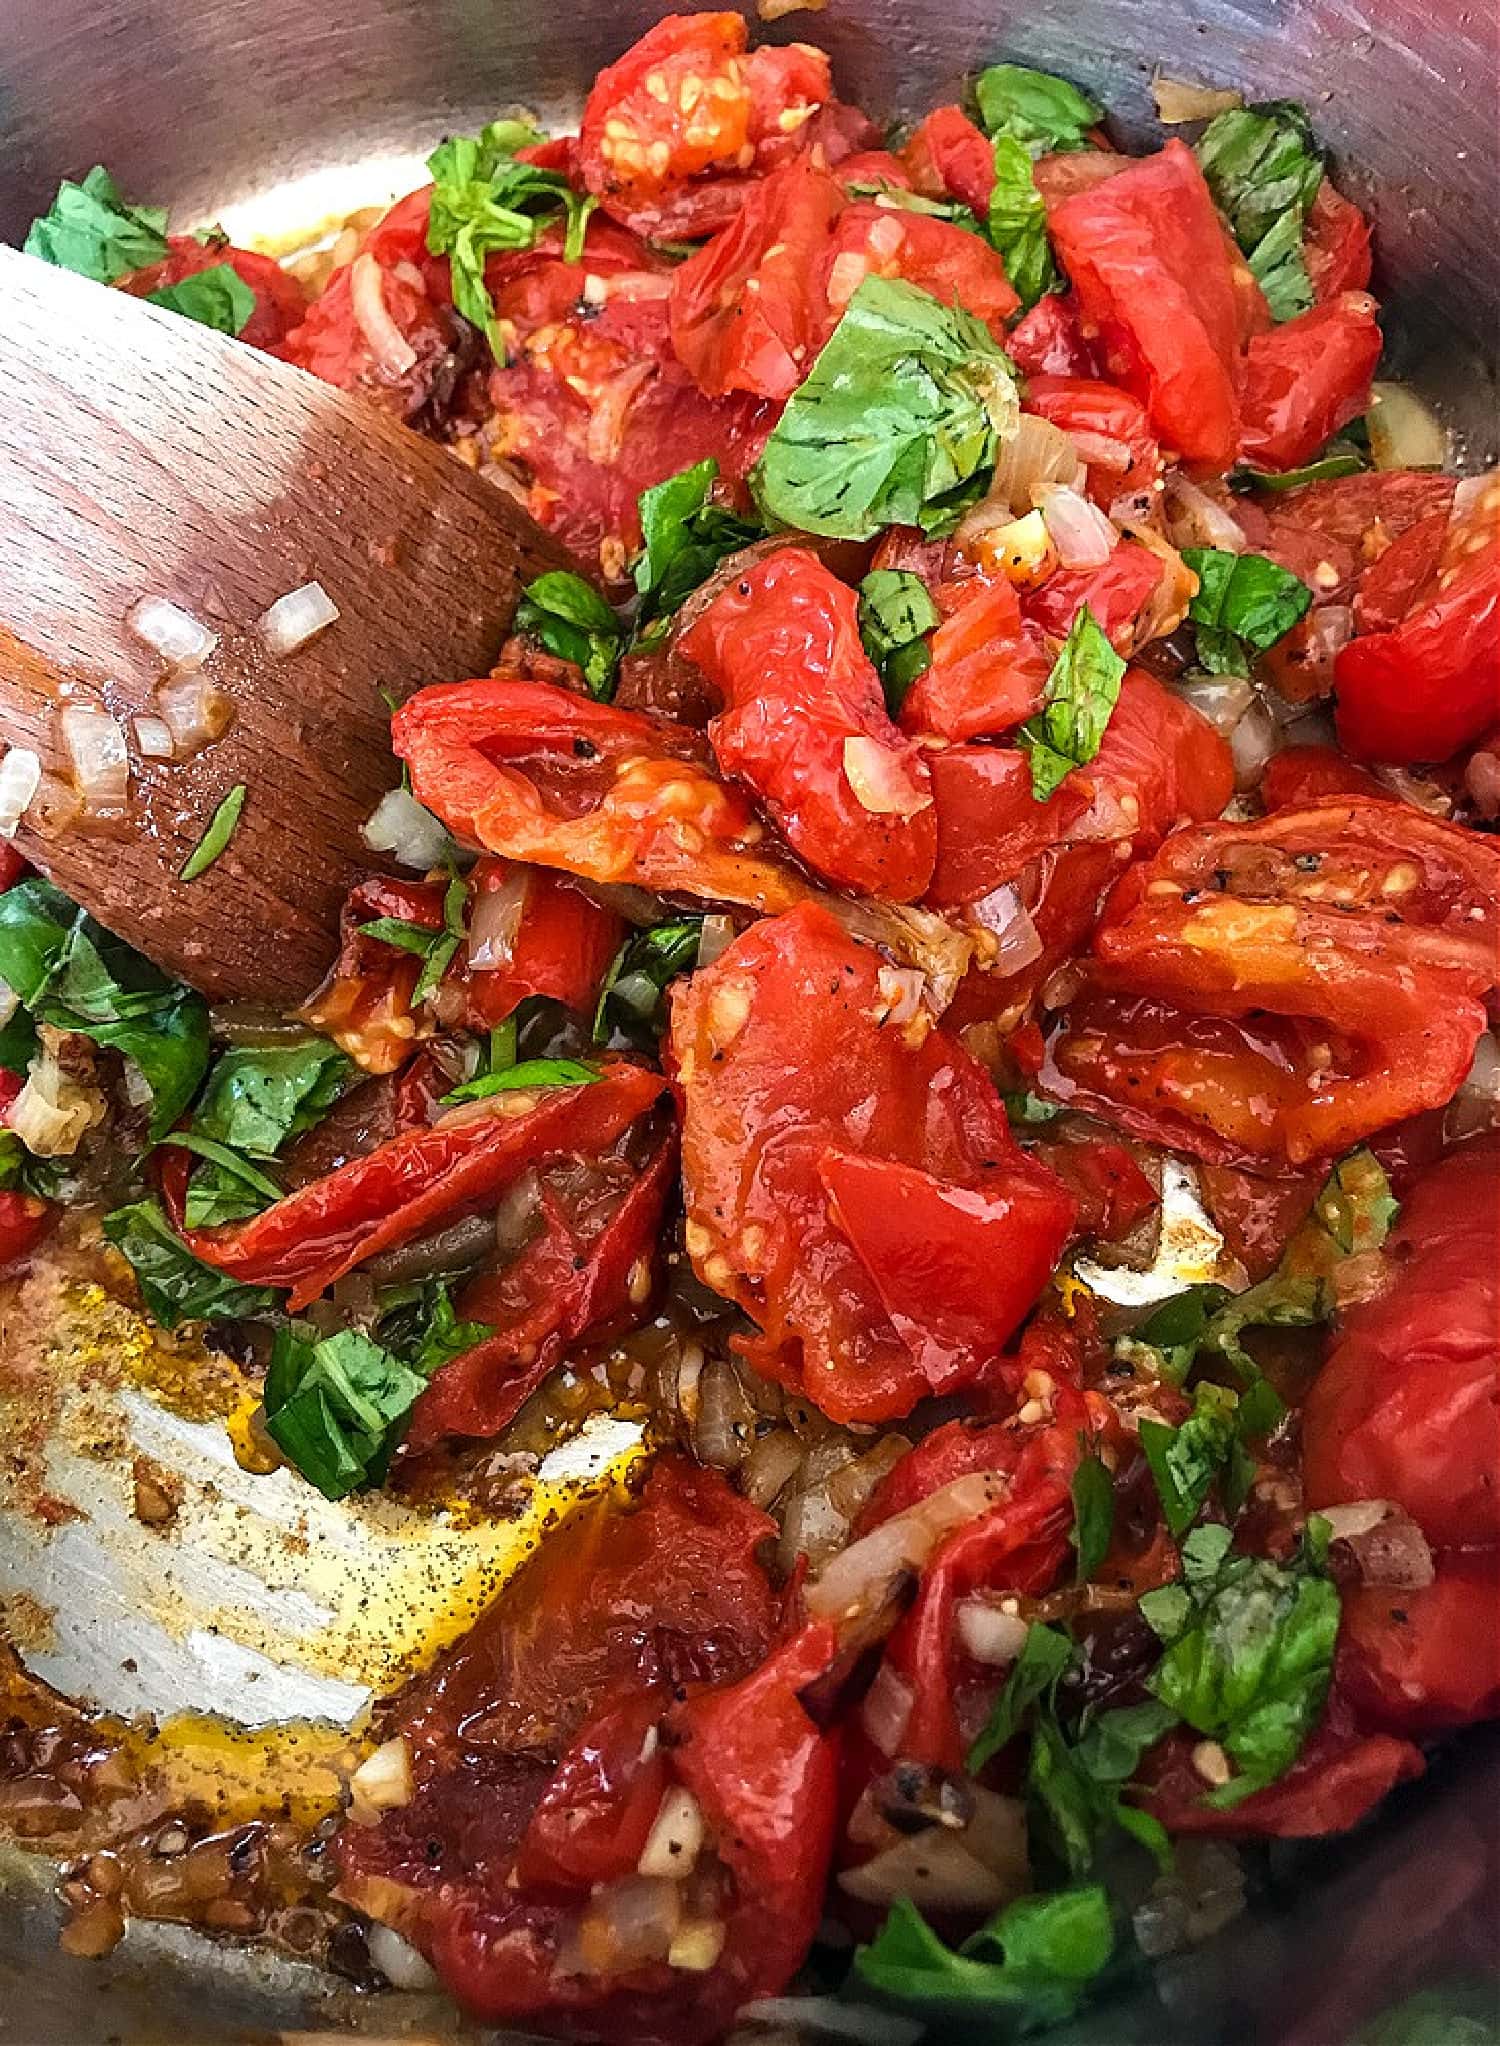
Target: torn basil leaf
1044,1656
684,537
1186,1461
1093,1527
1031,1964
1245,604
632,999
1264,166
1017,223
1081,693
528,1073
1044,113
336,1406
896,613
91,228
1339,458
175,1285
254,1100
218,298
573,622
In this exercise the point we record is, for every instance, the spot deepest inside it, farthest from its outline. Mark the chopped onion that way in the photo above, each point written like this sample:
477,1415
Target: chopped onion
625,1925
153,738
53,1112
495,921
988,1634
182,640
1222,699
99,759
297,617
770,1466
1038,454
10,1001
676,1837
1194,519
20,778
1475,494
1102,451
880,779
1082,535
715,937
864,1574
1476,1105
1254,739
1329,628
1007,918
819,2017
917,937
1389,1547
1178,102
1357,1518
398,1960
726,1418
934,1870
901,989
393,353
1415,789
194,711
381,1783
1404,433
885,1711
773,10
399,825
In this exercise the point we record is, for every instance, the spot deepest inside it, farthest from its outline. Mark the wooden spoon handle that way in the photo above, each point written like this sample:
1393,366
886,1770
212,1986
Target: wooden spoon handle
149,456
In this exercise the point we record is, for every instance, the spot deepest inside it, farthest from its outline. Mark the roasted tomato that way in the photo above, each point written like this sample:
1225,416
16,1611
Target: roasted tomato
989,667
850,1178
1299,775
536,935
280,304
1109,428
938,256
378,330
805,725
1116,592
1149,263
1336,245
365,1003
947,157
1307,378
1407,1407
1432,684
1050,341
1418,1659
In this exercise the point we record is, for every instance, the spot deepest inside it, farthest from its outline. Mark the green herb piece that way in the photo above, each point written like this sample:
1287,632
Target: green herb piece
256,1098
1174,1333
896,613
685,536
419,1324
1186,1461
230,1161
404,935
175,1285
70,972
483,201
227,1189
1245,604
1249,1652
1042,112
1093,1515
218,298
435,948
1077,1791
13,1156
221,828
337,1407
902,200
1029,1109
632,999
1339,458
91,229
1043,1658
573,622
1264,167
1032,1963
1018,222
18,1042
529,1073
1082,691
897,420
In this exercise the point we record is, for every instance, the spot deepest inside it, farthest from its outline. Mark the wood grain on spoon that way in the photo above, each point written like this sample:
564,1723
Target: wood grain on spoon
145,455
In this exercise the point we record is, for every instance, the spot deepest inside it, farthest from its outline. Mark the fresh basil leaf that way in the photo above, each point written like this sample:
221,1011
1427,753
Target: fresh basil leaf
1017,223
1082,691
1112,1748
529,1073
337,1407
18,1042
228,1160
405,936
419,1324
71,973
483,201
1033,1961
175,1285
1248,1656
1242,598
436,948
1093,1515
256,1098
1186,1461
1028,1109
685,537
902,200
901,413
896,613
215,840
91,229
573,622
632,999
1043,1658
1040,111
1264,167
1176,1331
1339,458
1076,1789
218,298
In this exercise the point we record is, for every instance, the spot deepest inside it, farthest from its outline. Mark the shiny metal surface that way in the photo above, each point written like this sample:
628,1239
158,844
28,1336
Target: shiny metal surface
277,113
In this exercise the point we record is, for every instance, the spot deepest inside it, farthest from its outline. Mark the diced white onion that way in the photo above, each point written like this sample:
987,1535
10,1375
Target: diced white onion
1414,789
864,1573
1007,918
988,1634
495,920
136,1088
381,1783
885,1711
1473,493
901,989
20,778
1177,101
1357,1518
53,1112
1254,739
1476,1105
715,937
398,1960
1019,549
1221,699
194,711
399,825
1330,627
1082,535
625,1925
819,2017
1101,451
1194,519
393,353
297,617
880,779
1404,433
153,738
846,274
182,640
99,759
676,1837
1038,454
933,1869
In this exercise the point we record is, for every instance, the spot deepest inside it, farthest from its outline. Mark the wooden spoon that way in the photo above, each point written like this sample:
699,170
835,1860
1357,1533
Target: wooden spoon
145,455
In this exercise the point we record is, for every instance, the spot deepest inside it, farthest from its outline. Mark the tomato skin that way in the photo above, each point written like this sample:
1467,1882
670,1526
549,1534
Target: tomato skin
364,1004
594,1816
1116,592
1390,585
949,158
1336,245
785,1069
1049,341
330,344
1305,774
1407,1406
1146,255
24,1221
1415,1661
280,304
1307,378
1110,1189
937,256
1082,404
562,946
1257,1216
988,668
781,643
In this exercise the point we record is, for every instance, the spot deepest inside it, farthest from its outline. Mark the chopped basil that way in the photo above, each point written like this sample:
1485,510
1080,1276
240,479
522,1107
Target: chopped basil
435,948
218,298
419,1324
1339,458
69,972
175,1285
1248,1652
1185,1461
1076,1788
1093,1515
1264,167
572,621
1042,112
90,228
1032,1962
529,1073
253,1101
684,538
632,1000
1245,604
17,1042
1018,222
896,613
895,424
1043,1658
229,1190
1082,691
1025,1108
905,201
484,200
336,1406
221,828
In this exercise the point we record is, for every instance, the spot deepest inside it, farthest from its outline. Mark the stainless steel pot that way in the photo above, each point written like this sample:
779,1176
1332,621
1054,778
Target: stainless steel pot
271,113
